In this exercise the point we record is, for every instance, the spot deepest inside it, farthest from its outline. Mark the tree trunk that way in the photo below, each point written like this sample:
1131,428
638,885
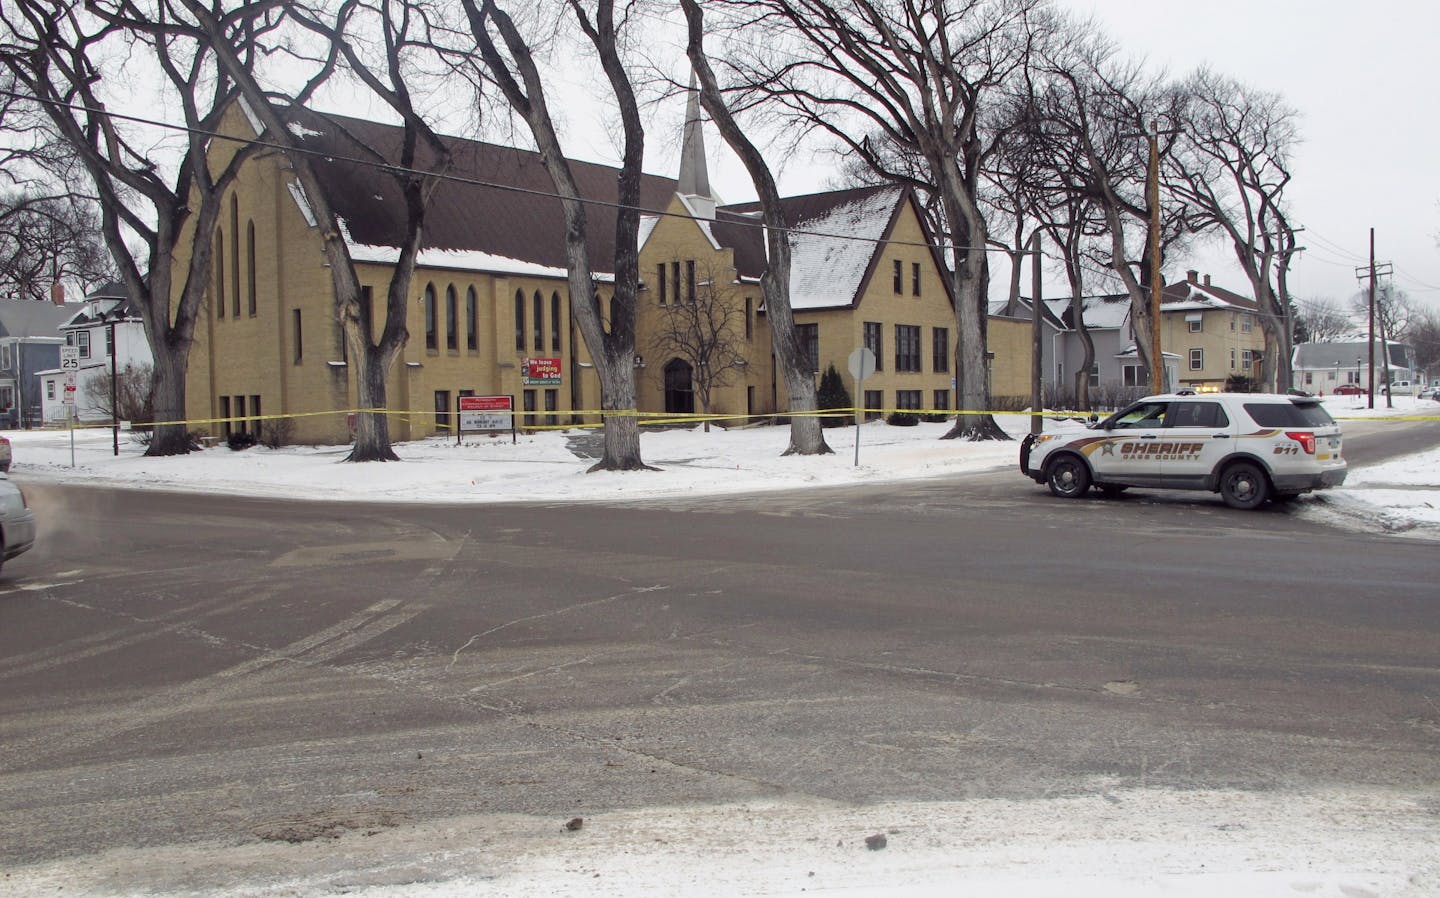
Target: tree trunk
167,392
372,430
970,278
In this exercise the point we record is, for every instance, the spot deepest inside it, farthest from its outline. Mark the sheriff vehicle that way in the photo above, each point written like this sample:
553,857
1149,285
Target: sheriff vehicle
1248,447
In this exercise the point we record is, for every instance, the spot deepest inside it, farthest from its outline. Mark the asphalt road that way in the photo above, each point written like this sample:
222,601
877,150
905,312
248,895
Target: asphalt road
180,668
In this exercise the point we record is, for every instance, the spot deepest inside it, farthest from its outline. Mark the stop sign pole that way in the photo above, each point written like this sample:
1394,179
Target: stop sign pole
862,365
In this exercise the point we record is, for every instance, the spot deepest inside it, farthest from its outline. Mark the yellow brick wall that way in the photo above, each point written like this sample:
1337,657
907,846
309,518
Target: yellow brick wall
1011,343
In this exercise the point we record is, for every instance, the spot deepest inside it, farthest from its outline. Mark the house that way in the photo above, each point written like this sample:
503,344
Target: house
30,342
110,335
1321,367
490,311
1208,335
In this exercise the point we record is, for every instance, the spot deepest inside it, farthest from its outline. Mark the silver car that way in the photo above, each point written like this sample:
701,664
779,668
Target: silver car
17,521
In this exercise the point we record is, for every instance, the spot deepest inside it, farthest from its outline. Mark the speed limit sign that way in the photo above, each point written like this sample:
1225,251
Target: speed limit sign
69,358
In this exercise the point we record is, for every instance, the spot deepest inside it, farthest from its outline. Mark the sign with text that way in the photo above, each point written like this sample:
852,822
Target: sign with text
487,413
69,358
540,372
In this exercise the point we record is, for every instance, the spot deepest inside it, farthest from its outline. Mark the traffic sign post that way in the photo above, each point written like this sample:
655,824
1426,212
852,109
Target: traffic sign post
862,365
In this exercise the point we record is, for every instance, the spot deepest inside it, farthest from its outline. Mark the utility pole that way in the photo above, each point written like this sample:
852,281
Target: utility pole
1037,343
1371,271
1157,359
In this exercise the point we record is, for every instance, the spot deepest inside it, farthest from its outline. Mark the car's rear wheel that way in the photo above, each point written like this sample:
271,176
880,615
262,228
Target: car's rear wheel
1067,477
1243,486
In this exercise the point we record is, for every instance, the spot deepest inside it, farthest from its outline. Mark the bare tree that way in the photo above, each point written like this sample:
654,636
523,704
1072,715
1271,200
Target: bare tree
709,334
1322,320
924,76
806,434
49,239
375,42
64,58
515,72
1232,165
130,388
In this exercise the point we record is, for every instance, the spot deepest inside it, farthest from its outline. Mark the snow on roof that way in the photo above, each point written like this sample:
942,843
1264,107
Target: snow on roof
830,255
460,260
1106,311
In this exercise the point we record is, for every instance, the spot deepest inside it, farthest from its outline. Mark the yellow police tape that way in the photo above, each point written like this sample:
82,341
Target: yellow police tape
659,418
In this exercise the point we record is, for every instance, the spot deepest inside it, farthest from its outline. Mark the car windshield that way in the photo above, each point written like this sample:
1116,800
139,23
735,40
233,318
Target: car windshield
1289,414
1145,414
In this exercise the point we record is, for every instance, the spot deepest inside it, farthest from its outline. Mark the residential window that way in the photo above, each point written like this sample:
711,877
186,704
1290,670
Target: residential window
109,343
552,402
529,401
1193,324
432,338
1130,376
520,320
82,340
897,277
452,319
472,320
809,335
660,279
225,427
49,389
874,340
907,399
690,281
5,356
1197,359
941,348
555,322
1232,359
442,410
1094,375
1247,322
250,266
942,400
297,337
538,303
907,347
1309,378
874,405
915,278
1247,356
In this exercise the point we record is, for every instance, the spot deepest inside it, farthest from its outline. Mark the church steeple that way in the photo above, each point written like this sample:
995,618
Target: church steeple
694,181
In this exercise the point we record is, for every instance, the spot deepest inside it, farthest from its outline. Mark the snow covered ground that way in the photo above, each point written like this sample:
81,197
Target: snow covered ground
1361,843
1402,497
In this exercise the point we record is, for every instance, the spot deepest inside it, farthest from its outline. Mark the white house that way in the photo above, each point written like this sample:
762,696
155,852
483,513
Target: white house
1321,367
110,335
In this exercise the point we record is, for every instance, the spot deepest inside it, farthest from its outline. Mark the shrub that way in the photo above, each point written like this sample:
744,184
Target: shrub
277,432
902,419
832,394
936,418
241,440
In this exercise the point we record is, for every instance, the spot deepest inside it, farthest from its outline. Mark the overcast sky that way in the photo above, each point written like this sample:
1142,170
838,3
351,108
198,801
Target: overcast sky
1362,77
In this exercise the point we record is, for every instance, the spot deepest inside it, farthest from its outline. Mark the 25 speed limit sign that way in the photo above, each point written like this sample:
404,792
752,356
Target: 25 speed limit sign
69,358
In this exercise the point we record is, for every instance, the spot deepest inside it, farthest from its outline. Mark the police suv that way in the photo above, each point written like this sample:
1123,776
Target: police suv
1248,447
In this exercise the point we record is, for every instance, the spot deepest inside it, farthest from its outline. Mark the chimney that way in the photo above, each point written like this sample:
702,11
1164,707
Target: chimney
1192,276
1207,280
57,293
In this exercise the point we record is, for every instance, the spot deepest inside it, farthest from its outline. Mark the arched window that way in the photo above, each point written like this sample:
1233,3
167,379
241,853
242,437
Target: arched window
539,322
520,320
235,255
431,341
219,272
452,319
472,322
555,322
250,264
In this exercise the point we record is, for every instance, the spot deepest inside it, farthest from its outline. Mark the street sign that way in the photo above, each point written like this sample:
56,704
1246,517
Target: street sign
68,391
862,363
69,358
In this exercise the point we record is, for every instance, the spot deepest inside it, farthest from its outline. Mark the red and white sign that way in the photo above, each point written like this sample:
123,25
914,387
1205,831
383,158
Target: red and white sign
538,372
487,412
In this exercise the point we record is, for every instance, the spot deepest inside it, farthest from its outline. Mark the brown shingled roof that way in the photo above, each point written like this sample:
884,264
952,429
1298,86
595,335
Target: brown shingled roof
528,226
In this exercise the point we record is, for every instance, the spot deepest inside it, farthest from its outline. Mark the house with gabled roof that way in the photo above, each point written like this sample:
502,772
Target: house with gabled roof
109,334
491,310
30,341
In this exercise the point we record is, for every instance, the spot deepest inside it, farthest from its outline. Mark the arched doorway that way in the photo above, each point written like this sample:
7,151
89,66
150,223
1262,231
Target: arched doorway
679,389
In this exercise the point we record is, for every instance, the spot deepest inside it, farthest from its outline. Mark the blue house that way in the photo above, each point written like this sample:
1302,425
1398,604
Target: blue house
30,341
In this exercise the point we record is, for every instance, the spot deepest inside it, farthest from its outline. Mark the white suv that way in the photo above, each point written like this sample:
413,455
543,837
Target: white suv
1248,447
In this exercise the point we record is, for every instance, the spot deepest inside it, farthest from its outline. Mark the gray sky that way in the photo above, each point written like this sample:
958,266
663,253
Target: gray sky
1362,77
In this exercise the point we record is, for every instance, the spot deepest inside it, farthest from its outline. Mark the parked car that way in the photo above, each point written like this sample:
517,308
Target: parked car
17,521
1400,388
1349,390
1248,447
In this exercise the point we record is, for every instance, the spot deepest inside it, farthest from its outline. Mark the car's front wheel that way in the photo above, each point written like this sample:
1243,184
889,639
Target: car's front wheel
1067,477
1243,486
